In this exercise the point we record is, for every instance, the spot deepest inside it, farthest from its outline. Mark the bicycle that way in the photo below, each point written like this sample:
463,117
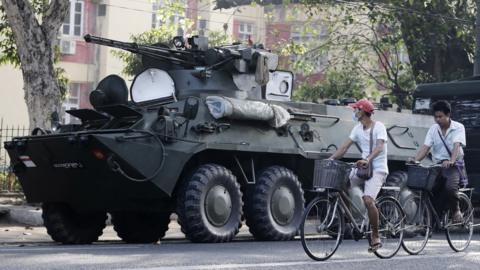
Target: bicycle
324,218
419,209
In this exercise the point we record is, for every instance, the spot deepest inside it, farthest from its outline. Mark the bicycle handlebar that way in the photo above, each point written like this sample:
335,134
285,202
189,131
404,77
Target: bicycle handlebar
351,164
418,164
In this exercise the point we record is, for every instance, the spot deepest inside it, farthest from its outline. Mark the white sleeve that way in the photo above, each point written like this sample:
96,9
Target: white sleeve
429,138
459,136
353,134
381,132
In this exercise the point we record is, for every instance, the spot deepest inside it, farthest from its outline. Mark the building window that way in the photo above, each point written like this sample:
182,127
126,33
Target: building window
176,19
321,62
245,30
155,7
102,10
180,32
202,24
300,36
73,23
180,21
72,102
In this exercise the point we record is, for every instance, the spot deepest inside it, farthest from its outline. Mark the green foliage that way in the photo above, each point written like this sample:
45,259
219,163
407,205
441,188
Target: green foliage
8,48
439,35
9,182
218,38
348,39
163,34
343,83
133,62
61,74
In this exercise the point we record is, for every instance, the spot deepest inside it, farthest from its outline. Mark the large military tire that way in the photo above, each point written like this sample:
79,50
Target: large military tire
67,226
274,205
209,205
140,227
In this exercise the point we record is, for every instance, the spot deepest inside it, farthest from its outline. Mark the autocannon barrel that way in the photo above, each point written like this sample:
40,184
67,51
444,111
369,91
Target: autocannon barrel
157,52
129,46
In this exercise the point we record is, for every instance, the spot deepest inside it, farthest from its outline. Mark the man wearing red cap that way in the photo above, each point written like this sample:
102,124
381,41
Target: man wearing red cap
374,154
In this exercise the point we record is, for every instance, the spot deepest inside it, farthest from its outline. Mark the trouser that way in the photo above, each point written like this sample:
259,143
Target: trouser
370,187
447,190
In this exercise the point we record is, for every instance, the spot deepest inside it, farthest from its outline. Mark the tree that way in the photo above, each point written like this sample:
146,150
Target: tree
375,47
346,82
163,34
438,34
334,44
439,37
28,34
133,62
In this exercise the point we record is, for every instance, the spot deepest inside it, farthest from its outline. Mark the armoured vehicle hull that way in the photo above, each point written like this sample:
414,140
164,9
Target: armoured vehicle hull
142,160
65,166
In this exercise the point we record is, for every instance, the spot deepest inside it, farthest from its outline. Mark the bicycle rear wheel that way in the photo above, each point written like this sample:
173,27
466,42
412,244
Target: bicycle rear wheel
391,227
417,224
321,229
459,235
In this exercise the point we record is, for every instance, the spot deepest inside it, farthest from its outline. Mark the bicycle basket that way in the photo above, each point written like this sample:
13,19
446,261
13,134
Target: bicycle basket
421,177
331,174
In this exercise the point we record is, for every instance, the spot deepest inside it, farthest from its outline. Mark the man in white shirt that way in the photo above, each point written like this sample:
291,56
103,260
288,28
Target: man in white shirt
377,158
448,153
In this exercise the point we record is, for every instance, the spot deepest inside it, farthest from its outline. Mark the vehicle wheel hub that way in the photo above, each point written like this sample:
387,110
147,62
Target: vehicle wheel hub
218,205
283,205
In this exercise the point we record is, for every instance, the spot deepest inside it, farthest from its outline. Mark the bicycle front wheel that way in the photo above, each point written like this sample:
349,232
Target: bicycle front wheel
391,227
321,228
459,235
417,224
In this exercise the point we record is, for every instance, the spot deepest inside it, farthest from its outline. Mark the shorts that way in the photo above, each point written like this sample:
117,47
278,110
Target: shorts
370,187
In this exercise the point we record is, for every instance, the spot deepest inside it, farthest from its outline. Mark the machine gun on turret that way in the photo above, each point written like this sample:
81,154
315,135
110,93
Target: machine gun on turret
160,52
235,58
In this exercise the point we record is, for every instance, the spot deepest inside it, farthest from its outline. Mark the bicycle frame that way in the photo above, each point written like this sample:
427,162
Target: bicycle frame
341,200
427,195
328,202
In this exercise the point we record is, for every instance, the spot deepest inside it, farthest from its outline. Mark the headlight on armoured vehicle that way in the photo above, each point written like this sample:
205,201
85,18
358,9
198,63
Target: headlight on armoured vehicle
152,84
279,86
284,87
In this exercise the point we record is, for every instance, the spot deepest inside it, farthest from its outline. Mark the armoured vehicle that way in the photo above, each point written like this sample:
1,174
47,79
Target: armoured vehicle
464,97
209,133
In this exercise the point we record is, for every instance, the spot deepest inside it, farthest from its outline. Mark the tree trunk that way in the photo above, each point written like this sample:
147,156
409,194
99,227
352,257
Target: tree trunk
437,63
35,47
443,57
476,65
42,91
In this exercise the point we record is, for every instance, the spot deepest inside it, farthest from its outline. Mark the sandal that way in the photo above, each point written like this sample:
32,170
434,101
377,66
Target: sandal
374,247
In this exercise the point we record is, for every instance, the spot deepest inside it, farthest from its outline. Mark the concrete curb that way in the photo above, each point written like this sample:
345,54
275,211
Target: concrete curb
31,215
11,199
21,214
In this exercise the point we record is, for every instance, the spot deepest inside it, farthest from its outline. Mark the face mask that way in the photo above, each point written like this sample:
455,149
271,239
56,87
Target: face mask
354,117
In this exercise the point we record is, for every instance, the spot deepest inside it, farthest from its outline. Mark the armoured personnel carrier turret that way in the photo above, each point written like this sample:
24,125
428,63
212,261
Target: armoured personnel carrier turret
208,133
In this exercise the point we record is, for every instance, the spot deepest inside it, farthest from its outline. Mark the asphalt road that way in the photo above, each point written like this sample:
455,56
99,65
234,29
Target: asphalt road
243,253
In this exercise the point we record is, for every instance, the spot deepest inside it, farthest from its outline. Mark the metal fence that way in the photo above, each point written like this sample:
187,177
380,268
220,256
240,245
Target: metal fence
8,180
